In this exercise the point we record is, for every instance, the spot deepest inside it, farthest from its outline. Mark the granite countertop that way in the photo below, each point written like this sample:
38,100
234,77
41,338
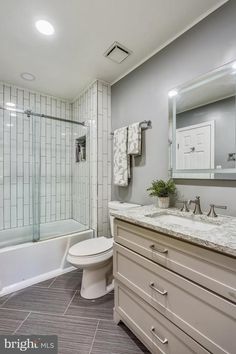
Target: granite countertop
218,235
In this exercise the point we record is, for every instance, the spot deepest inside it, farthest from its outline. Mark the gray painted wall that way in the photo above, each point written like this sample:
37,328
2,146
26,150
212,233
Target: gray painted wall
143,94
223,114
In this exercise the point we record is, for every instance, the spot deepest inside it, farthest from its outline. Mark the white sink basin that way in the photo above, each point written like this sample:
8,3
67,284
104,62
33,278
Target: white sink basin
182,221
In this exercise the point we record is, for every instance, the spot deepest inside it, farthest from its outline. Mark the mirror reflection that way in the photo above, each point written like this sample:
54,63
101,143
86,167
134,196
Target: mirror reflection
203,126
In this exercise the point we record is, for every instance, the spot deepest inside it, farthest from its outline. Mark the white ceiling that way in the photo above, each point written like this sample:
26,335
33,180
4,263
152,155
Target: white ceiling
69,60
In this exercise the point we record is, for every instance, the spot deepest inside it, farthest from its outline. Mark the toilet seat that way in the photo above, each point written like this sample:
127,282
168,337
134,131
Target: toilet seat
91,247
92,251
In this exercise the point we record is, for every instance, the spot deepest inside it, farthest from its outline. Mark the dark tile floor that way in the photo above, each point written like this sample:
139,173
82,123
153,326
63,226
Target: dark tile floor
56,307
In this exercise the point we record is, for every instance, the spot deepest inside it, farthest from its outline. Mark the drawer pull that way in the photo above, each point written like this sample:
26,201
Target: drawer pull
152,286
163,341
154,248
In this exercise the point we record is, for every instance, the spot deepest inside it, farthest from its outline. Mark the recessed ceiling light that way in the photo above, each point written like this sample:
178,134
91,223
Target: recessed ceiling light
172,93
10,104
27,76
44,27
234,65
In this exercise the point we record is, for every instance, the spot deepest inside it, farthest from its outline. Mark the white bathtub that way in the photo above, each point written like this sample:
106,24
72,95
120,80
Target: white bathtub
29,263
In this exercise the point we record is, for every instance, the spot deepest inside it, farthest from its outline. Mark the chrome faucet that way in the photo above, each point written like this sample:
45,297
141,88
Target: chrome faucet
212,212
197,209
184,205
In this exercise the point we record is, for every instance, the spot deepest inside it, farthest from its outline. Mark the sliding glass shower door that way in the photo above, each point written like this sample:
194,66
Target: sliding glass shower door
64,183
44,177
16,178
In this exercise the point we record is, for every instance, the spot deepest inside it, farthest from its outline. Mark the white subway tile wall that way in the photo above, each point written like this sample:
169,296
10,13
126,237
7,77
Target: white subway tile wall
104,156
67,189
94,107
84,109
16,158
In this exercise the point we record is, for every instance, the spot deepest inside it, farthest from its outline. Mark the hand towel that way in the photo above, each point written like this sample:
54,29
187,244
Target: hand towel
134,139
121,160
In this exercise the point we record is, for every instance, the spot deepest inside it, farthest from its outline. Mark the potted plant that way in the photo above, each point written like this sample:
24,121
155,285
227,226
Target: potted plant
162,190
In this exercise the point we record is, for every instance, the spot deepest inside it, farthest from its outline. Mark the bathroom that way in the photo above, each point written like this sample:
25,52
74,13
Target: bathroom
72,74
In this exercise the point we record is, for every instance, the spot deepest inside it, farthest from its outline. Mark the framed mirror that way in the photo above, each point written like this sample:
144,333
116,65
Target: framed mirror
202,126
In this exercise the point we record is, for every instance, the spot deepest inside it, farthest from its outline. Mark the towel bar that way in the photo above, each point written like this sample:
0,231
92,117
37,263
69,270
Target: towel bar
148,124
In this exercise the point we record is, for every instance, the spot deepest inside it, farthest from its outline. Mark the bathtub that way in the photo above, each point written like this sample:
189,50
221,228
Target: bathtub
32,262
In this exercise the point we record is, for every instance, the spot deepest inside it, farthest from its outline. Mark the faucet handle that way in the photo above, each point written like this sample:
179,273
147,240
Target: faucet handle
185,205
212,212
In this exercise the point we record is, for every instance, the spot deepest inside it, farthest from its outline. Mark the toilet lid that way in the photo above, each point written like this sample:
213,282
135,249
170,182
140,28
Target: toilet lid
91,247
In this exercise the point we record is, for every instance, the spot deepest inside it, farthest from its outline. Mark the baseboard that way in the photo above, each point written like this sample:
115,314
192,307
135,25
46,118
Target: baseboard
31,281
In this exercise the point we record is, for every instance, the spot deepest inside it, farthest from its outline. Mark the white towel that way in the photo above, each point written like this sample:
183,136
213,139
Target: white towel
121,160
134,139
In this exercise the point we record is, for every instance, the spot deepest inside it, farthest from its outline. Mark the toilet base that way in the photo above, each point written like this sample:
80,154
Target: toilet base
97,280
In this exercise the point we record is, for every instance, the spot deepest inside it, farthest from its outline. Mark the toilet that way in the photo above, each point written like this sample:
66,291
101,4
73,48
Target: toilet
94,256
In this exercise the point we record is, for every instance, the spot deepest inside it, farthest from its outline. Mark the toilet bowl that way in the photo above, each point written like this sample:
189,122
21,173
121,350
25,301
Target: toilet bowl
94,256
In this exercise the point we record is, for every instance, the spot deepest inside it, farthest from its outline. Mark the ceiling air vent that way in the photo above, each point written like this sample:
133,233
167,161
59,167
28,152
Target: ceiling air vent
117,53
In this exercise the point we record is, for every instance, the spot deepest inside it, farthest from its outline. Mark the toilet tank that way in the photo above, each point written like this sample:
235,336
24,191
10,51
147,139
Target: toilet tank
116,205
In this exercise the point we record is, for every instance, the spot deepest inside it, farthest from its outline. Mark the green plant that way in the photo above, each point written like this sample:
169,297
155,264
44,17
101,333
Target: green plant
160,188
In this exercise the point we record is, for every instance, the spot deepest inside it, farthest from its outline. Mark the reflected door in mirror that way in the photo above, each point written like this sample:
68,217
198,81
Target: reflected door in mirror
195,147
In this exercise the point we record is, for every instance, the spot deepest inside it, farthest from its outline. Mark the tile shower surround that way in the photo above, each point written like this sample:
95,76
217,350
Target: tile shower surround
84,108
104,141
94,104
61,178
17,159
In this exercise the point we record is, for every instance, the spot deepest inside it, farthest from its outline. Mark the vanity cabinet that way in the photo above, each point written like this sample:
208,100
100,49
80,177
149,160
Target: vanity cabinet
175,296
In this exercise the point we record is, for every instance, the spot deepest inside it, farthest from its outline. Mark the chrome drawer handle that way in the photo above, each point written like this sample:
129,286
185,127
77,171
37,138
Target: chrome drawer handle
152,286
163,341
154,248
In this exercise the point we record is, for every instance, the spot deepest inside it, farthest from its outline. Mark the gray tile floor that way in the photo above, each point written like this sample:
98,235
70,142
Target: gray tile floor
56,307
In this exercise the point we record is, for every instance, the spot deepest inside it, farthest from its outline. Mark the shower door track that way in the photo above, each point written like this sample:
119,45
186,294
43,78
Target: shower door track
30,113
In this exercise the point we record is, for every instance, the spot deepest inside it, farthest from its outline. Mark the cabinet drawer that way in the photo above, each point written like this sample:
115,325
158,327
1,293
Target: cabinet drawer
206,317
153,329
212,270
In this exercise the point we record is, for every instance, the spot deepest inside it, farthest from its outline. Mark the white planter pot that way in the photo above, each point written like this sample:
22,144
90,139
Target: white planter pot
163,202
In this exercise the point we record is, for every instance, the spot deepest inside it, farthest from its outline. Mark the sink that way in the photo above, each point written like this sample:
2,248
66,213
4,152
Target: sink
182,221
